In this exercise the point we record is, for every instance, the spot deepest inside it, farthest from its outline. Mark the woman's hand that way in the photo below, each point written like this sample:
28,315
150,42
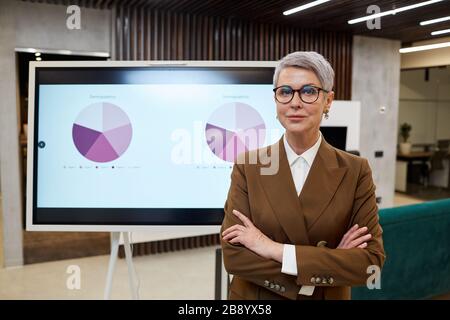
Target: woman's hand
253,239
354,238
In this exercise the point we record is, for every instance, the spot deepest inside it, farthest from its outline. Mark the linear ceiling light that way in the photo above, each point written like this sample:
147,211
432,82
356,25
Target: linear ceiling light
425,47
393,11
435,33
427,22
304,7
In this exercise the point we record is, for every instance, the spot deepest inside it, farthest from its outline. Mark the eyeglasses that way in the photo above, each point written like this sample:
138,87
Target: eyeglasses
307,93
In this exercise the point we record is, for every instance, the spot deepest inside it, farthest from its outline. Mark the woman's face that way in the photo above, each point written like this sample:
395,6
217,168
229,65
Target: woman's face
297,116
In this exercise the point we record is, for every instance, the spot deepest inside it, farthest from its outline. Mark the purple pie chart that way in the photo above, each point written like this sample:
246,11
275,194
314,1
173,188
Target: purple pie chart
234,128
102,132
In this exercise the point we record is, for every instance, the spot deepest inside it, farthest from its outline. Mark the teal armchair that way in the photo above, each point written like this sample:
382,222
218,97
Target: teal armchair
417,245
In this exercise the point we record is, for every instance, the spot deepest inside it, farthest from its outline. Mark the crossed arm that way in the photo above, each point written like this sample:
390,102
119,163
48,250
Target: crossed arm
253,256
253,239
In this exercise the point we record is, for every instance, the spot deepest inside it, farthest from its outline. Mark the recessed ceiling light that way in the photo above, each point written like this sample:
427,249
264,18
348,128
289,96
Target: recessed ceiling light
38,58
393,11
435,33
427,22
425,47
304,7
37,54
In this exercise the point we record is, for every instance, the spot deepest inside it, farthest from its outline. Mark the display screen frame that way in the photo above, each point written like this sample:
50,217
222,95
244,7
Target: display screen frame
111,72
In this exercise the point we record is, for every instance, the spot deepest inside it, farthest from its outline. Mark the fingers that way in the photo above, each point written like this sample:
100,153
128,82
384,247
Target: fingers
356,234
349,232
357,242
355,238
233,228
354,228
235,241
243,218
232,235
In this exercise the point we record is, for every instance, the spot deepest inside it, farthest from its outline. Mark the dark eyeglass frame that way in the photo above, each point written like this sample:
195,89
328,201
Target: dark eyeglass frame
299,94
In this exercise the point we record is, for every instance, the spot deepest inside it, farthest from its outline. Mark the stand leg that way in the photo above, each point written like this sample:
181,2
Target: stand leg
221,286
225,281
115,237
132,277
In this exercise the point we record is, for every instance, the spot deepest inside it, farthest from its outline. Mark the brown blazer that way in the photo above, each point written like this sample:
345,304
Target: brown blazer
338,192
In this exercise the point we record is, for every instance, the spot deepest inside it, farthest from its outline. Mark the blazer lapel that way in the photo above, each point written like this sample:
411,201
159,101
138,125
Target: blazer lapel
323,180
282,196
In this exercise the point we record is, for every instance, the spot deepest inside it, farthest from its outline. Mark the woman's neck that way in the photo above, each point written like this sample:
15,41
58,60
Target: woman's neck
300,142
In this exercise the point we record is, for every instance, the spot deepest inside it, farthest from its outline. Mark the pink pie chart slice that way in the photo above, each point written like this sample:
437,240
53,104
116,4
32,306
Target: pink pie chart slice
102,132
234,128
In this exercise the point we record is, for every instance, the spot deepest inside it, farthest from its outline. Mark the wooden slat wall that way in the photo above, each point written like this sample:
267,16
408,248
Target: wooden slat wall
149,34
154,247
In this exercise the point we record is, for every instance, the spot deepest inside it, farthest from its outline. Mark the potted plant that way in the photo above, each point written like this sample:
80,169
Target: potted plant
405,146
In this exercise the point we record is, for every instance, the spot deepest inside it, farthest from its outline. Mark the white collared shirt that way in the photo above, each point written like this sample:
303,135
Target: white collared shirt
300,166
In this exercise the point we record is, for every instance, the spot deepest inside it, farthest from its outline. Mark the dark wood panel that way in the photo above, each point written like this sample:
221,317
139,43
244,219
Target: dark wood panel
162,246
152,34
41,247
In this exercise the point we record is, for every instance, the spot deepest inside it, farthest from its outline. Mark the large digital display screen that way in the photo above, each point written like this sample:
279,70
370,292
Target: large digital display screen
139,145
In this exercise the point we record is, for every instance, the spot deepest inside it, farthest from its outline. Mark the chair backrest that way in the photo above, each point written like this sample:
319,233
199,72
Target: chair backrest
417,245
444,144
437,159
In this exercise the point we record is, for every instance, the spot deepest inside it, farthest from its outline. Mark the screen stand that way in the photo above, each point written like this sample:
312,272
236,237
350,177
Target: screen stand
222,280
132,276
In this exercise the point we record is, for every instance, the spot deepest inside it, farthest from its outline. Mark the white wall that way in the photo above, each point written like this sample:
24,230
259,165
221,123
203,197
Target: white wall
346,114
42,26
426,104
375,83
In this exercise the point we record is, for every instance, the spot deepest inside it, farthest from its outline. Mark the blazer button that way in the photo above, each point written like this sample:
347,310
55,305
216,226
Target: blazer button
318,280
330,280
322,243
277,287
266,283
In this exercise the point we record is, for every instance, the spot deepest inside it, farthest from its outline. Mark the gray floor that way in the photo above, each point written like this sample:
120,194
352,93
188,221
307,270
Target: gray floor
183,275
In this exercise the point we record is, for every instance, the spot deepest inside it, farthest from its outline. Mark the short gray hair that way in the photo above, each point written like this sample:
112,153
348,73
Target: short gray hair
309,60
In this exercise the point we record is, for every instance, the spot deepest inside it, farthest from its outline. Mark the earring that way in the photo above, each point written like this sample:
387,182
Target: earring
326,115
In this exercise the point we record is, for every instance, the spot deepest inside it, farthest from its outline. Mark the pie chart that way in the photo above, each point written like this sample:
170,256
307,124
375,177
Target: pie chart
102,132
234,128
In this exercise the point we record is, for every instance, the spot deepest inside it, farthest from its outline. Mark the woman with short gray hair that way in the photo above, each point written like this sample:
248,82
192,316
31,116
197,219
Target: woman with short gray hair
311,230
